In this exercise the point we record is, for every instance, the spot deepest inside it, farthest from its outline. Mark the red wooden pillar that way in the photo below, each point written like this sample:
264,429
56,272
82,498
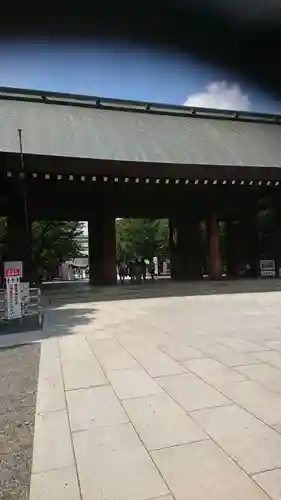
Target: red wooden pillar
215,256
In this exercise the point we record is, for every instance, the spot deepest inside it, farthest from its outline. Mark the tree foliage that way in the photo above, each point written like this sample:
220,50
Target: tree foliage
54,242
144,237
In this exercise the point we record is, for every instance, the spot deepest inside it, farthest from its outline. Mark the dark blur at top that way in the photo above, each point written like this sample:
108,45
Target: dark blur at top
242,36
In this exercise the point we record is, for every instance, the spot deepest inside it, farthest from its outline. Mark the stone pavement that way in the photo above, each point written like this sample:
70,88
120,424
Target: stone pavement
160,398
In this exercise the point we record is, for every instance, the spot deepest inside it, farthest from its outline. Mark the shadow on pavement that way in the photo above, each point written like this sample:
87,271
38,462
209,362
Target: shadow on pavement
58,322
62,294
70,307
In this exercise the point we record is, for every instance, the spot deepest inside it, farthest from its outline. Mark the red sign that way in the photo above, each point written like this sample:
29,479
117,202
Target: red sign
10,273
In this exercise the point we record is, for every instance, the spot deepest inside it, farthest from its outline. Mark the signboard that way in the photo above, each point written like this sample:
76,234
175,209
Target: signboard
12,269
267,268
13,297
12,274
155,262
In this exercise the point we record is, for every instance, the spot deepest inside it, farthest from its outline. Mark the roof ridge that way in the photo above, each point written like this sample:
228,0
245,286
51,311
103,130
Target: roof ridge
50,97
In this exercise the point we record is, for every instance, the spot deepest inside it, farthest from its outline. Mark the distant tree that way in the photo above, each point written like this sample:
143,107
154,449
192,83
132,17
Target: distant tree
54,242
145,237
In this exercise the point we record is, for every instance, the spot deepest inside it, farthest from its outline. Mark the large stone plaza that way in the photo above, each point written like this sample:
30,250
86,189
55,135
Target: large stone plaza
171,391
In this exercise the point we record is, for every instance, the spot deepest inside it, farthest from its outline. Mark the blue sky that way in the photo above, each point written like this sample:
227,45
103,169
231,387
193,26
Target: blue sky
126,72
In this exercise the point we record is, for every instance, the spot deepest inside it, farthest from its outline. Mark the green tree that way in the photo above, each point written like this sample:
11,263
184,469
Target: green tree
54,242
144,237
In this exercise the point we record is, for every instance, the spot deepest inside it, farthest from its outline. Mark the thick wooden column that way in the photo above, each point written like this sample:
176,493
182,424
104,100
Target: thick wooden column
102,249
214,240
242,245
186,249
232,249
249,240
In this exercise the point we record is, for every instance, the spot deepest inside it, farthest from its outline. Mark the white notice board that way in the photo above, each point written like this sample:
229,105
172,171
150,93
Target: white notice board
13,297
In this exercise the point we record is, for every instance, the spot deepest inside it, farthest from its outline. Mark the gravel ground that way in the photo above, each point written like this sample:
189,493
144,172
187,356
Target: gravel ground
18,386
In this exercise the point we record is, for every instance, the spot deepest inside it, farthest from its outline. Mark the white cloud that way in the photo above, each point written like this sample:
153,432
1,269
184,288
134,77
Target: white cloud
220,95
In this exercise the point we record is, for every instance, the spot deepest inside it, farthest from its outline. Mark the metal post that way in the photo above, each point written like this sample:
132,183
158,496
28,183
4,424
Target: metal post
24,194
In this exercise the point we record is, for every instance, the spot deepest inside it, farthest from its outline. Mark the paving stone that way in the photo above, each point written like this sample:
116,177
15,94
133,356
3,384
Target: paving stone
274,345
257,399
228,356
264,374
191,392
50,394
176,349
271,482
160,422
165,497
94,406
59,484
277,427
271,357
50,365
52,444
50,391
112,355
202,471
101,333
133,383
213,372
79,365
243,345
156,362
254,445
86,373
113,463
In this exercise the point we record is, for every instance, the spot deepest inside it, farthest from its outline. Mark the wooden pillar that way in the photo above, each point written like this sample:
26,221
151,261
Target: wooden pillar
232,249
215,256
185,249
249,243
242,245
102,249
